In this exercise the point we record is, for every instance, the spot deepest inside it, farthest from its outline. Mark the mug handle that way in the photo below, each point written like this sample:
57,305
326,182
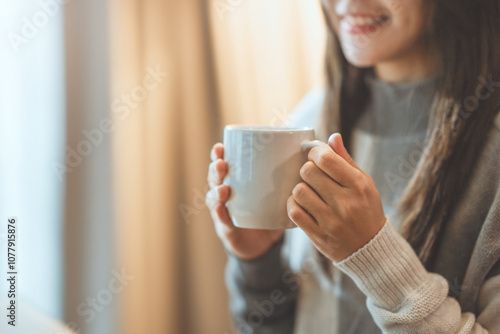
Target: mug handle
309,144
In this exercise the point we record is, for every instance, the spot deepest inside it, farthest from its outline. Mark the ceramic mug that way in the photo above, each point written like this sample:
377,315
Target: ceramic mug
264,166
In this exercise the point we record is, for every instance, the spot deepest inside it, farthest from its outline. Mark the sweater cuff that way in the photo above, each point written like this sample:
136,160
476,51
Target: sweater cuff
388,271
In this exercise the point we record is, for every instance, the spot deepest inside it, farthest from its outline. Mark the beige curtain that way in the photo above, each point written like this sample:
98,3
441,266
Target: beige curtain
178,72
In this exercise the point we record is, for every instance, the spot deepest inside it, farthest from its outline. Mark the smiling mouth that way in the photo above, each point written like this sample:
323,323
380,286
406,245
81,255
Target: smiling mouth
358,24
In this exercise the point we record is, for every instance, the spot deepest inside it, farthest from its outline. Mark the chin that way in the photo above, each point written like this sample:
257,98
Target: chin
361,60
361,57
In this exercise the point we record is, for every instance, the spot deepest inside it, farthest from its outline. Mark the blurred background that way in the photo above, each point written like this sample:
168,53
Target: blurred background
108,111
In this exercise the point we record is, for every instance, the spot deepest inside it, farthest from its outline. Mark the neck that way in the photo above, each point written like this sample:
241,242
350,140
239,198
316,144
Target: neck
415,66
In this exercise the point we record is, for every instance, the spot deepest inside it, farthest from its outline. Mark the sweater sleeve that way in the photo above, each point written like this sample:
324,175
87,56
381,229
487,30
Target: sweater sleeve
403,297
261,299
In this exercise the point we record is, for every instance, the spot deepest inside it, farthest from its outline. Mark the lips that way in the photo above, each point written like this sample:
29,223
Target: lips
356,24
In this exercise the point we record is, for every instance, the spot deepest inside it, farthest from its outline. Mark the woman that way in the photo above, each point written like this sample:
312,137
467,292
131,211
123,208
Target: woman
414,89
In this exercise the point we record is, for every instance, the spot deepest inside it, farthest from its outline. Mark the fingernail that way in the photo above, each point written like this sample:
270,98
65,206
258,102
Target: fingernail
332,136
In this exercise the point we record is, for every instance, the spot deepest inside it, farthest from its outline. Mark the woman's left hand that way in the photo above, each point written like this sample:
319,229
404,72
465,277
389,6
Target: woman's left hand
338,205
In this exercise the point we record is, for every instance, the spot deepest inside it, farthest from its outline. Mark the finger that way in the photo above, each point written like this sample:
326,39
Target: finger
217,171
307,198
217,152
319,180
327,188
211,198
334,166
216,199
217,195
335,141
301,218
223,215
221,209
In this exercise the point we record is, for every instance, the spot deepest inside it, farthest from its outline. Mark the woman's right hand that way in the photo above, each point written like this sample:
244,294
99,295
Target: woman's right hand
247,244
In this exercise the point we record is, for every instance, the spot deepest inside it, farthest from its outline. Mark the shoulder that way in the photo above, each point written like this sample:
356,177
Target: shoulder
308,111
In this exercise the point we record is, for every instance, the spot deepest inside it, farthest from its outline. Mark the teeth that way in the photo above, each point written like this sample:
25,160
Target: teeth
364,20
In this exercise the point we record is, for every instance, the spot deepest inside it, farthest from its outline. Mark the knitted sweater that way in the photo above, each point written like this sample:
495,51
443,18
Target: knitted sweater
383,287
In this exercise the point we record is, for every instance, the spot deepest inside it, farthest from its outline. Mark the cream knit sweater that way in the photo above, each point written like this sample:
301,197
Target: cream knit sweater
286,291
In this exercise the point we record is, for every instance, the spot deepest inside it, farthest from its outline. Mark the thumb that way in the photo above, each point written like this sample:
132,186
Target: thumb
335,141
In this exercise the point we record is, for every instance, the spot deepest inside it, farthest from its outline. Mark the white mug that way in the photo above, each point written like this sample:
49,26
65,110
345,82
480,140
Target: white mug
264,165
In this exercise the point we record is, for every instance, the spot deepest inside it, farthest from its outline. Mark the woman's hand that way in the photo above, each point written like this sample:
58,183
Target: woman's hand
337,205
247,244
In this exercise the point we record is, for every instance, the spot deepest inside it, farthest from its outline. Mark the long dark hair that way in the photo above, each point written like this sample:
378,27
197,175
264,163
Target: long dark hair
466,37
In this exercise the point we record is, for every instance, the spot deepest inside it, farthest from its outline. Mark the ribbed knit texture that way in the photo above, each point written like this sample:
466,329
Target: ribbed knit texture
383,287
388,271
